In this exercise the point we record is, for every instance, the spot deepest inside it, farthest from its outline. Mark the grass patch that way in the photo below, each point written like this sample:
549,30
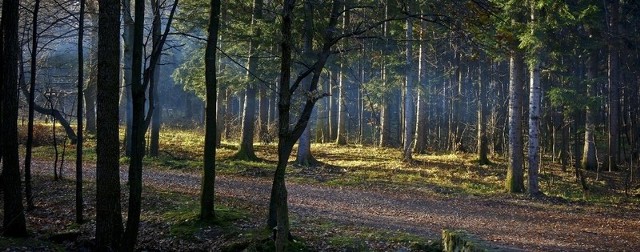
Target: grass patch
367,166
358,238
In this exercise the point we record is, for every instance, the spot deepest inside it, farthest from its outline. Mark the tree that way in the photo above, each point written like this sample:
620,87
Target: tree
422,127
278,206
483,147
154,143
249,111
614,81
208,179
32,87
125,101
90,90
14,224
304,156
533,153
79,111
409,115
515,179
108,209
140,121
589,158
341,135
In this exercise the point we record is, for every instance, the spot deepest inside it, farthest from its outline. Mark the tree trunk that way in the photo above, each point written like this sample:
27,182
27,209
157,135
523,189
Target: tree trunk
32,94
221,111
90,91
589,159
341,135
515,181
208,179
246,140
341,132
125,101
614,80
534,128
422,127
533,153
409,115
108,210
154,144
14,224
304,156
80,110
278,206
483,147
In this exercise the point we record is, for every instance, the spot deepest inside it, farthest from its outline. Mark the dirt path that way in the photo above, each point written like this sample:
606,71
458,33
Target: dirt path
508,223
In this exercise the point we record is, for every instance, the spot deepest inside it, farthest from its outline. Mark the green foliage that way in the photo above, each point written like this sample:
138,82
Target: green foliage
570,100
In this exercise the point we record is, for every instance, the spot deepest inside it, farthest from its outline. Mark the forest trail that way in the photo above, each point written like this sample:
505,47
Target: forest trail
509,223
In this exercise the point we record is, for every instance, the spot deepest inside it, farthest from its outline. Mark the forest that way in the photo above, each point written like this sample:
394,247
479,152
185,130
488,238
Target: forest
320,125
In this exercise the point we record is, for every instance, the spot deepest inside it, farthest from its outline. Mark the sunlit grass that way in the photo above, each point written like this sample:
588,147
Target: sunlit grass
362,166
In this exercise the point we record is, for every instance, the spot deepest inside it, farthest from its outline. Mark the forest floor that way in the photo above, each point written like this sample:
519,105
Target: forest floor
354,198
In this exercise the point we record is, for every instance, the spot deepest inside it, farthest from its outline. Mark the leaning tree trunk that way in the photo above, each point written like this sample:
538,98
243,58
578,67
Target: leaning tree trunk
515,181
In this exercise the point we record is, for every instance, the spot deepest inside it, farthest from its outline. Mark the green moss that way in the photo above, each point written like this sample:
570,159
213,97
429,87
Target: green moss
460,241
